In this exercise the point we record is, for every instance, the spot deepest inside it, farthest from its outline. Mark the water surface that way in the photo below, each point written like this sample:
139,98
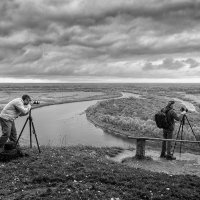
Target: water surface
66,124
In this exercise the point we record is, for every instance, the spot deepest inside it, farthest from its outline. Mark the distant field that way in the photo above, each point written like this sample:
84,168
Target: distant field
48,94
49,97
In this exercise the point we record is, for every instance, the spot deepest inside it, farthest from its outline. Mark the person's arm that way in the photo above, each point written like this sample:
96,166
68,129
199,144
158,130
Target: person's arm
176,117
22,108
22,114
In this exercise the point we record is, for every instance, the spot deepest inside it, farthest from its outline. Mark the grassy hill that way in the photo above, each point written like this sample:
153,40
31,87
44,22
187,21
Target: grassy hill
82,172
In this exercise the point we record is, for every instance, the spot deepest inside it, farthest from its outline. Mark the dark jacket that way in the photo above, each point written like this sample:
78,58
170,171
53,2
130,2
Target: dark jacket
171,117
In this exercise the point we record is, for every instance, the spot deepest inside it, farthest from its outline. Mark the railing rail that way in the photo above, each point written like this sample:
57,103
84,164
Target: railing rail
141,141
161,139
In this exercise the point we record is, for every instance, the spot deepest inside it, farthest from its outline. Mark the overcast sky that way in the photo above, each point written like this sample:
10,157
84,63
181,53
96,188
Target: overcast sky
99,40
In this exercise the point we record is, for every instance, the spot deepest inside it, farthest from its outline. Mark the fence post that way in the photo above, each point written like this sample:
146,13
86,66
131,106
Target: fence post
140,148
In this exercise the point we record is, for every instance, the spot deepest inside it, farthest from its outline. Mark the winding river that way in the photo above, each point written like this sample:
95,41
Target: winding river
66,124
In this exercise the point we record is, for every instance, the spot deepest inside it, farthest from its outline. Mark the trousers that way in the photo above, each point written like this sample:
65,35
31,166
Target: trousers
8,131
166,145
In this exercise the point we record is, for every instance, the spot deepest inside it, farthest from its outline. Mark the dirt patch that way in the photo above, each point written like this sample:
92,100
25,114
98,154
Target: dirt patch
187,164
164,166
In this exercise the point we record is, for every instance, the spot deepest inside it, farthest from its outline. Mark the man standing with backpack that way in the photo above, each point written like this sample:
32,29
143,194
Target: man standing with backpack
168,132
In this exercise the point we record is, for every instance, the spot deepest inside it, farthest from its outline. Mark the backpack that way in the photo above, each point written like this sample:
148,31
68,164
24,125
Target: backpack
161,119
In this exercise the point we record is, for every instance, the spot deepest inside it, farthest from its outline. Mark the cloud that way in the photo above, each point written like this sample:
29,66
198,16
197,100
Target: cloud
192,63
30,55
98,38
167,64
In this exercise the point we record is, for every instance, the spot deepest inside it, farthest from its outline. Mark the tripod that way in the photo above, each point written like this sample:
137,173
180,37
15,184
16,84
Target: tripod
180,131
31,130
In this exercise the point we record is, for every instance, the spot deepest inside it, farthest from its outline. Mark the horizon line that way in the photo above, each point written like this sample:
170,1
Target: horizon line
101,82
98,80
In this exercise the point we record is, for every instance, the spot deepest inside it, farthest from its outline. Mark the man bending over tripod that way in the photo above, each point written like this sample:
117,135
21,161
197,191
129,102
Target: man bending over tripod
15,108
168,133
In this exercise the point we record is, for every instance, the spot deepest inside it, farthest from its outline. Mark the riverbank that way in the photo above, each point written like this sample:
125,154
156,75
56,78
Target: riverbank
55,101
135,117
99,97
83,172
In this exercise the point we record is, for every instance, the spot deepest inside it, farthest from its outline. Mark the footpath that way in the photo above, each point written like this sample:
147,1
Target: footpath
185,164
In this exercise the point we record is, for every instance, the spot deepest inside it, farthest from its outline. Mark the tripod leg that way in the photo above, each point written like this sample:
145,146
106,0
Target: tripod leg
192,129
181,124
35,137
181,139
30,132
21,132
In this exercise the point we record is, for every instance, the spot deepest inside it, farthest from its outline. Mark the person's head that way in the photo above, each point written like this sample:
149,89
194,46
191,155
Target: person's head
171,104
26,99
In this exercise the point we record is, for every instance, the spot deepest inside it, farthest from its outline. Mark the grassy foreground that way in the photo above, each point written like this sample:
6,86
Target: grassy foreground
82,172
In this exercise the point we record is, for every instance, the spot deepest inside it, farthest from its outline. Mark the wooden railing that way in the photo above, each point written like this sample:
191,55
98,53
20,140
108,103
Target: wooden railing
141,141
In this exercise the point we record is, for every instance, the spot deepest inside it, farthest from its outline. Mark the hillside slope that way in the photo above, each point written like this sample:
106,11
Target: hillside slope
83,172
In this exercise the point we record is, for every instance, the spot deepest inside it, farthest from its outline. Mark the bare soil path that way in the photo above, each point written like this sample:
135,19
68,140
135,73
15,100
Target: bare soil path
186,163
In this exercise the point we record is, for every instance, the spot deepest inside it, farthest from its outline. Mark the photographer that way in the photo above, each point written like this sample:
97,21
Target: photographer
168,133
15,108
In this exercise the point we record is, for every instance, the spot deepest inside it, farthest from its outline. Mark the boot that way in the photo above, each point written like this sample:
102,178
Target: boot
162,155
1,149
170,157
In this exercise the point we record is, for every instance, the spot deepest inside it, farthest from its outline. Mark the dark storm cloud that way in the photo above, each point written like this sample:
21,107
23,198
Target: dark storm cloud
192,63
167,64
29,55
39,16
97,38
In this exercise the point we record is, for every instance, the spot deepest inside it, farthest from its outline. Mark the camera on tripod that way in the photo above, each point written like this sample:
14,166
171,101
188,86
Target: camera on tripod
36,102
183,109
180,129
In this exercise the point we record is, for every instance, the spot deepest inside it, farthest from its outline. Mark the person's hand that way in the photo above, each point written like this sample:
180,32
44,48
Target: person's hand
183,113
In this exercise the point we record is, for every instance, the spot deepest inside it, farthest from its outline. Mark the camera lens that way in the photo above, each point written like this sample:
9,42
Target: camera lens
36,102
